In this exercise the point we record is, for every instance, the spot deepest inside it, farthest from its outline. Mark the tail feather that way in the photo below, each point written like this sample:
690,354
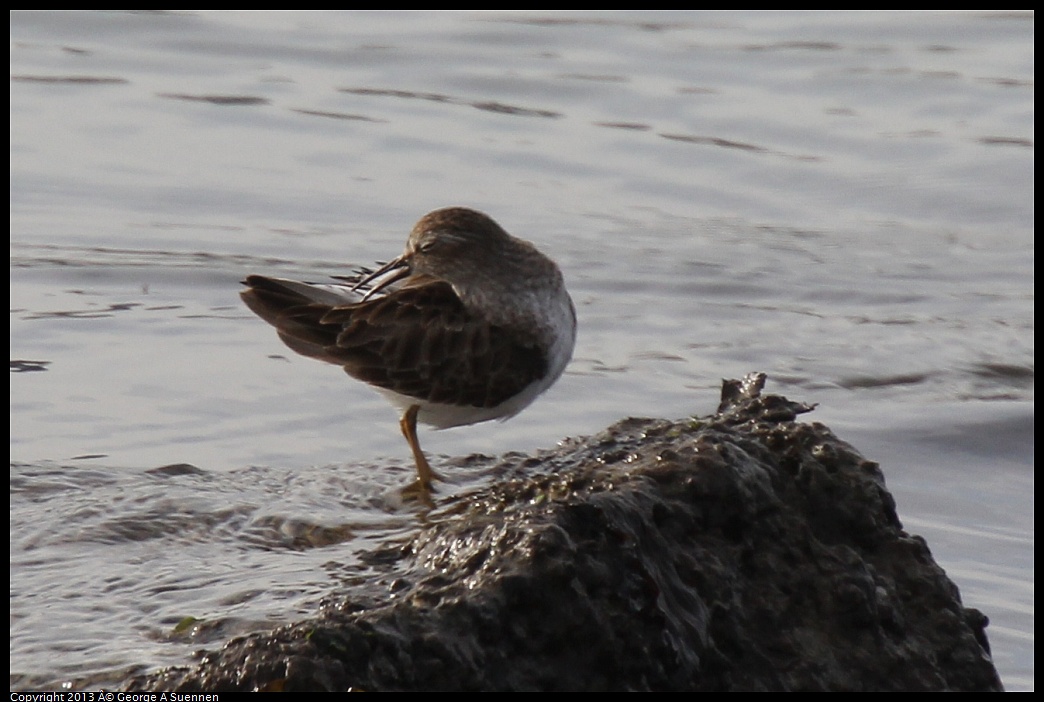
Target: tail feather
296,311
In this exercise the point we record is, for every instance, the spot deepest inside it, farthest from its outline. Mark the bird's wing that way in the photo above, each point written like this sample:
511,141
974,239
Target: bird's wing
419,340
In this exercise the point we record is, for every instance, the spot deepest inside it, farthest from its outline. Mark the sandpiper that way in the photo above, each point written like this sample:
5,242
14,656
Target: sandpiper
468,324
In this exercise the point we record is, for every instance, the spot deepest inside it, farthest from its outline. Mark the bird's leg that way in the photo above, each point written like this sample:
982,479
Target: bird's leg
425,475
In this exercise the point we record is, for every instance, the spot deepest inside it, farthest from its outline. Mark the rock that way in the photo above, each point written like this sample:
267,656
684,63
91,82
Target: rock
745,551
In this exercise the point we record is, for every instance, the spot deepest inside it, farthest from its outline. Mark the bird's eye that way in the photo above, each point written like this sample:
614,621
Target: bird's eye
428,243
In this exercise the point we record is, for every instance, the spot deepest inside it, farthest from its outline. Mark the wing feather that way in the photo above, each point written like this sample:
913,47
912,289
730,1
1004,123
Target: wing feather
418,340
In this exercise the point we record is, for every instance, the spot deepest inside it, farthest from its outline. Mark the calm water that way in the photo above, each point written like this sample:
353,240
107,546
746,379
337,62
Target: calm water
841,200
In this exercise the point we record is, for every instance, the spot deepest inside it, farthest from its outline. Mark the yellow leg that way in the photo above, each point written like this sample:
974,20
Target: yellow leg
425,475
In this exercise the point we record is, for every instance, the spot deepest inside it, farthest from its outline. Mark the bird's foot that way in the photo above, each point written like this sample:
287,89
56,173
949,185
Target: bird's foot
419,491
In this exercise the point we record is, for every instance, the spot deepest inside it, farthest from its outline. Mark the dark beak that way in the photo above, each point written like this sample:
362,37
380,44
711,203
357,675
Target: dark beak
401,266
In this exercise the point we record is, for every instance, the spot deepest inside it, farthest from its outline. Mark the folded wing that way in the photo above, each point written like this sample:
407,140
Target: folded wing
418,340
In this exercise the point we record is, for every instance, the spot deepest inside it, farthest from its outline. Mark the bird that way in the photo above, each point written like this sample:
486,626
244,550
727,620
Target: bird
467,325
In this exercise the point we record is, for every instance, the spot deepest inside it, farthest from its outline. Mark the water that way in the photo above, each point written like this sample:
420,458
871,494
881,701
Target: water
842,200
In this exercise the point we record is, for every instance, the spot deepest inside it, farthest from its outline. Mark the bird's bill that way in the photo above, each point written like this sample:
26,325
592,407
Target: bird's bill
401,268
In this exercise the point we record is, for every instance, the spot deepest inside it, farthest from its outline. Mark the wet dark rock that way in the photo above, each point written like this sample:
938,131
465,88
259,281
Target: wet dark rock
744,551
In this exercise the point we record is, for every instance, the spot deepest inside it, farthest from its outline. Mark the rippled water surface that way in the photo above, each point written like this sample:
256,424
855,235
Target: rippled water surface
841,200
